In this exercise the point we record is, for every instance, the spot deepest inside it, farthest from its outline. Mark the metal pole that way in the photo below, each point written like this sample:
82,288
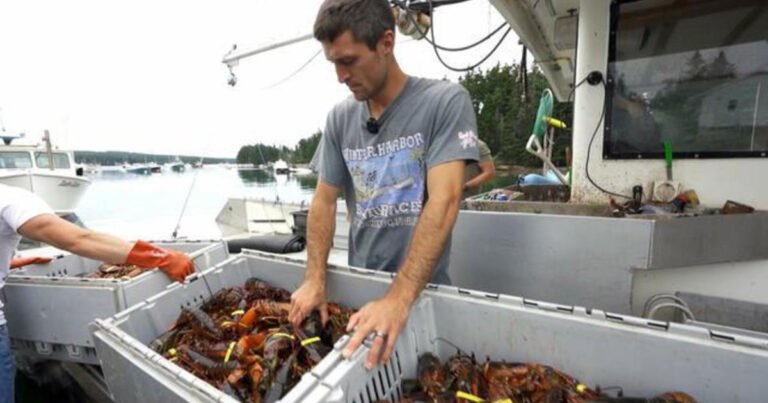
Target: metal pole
234,59
754,117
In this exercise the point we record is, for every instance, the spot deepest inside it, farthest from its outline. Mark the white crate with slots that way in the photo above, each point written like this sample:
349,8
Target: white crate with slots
135,373
49,306
644,358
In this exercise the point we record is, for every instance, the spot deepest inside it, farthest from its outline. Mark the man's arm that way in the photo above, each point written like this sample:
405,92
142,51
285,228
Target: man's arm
62,234
487,172
431,232
321,227
387,316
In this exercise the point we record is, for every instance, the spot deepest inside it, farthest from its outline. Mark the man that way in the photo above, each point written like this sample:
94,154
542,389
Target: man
479,173
23,213
397,148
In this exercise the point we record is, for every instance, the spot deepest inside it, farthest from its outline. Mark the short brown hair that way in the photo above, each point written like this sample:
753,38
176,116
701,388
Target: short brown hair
368,20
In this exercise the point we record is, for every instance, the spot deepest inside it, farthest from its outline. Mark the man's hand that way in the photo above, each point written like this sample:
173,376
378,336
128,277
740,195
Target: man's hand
321,226
310,296
386,318
174,264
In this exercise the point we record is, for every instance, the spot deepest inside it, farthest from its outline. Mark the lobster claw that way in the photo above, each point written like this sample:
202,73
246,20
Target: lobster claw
281,378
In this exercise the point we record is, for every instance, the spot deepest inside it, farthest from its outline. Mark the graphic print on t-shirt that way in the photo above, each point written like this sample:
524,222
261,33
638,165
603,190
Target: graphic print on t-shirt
389,181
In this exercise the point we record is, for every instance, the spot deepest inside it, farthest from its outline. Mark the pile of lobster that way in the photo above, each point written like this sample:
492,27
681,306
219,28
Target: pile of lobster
463,379
117,271
241,341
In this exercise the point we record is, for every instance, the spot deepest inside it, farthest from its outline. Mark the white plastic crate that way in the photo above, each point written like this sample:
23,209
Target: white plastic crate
135,373
644,358
51,305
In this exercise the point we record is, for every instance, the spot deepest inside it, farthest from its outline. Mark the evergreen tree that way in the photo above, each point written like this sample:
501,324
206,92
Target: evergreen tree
305,149
720,68
695,68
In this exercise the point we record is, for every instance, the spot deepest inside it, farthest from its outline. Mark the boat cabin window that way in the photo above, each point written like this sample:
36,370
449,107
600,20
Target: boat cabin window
691,73
60,160
15,160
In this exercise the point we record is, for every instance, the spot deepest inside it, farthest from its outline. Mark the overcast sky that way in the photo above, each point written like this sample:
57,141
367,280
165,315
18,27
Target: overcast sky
147,75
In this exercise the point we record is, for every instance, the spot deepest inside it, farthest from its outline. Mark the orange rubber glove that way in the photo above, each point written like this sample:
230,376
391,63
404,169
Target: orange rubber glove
174,264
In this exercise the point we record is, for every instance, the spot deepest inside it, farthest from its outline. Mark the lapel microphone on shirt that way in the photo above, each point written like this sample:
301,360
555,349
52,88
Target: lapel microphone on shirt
372,125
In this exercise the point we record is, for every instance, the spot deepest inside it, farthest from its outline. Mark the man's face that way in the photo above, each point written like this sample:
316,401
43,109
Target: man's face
363,70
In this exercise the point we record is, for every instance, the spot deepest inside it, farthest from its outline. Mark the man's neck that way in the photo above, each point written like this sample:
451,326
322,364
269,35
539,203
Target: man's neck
395,83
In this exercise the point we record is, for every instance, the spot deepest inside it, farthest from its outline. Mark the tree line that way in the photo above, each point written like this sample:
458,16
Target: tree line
506,114
123,157
504,118
260,153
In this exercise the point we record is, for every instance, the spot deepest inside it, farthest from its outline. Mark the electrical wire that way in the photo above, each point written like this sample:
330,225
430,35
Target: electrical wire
660,305
462,48
435,46
419,6
660,297
573,90
594,134
295,73
423,34
472,67
303,66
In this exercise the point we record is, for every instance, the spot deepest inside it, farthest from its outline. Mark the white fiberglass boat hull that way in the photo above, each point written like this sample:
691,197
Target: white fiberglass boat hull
61,192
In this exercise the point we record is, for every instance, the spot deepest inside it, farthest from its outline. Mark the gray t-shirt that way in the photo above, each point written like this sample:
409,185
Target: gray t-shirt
383,176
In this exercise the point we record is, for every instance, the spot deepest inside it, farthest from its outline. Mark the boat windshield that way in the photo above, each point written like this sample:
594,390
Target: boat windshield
60,160
694,74
15,160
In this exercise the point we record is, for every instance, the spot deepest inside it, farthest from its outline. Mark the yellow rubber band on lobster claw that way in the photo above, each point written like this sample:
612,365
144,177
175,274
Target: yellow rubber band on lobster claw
309,341
467,396
227,324
229,351
286,335
580,388
238,312
172,352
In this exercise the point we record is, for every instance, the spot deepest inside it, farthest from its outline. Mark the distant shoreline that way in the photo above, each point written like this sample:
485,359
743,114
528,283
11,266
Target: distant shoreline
122,157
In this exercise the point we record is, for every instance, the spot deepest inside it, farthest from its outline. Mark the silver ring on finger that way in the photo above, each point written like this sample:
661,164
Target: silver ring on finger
380,334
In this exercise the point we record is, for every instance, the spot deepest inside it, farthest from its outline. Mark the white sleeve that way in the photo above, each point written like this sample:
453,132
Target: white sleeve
20,206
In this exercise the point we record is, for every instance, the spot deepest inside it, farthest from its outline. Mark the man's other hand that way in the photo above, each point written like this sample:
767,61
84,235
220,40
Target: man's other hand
310,296
385,318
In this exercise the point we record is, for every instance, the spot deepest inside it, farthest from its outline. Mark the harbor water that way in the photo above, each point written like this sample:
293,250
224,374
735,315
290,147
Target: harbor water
150,206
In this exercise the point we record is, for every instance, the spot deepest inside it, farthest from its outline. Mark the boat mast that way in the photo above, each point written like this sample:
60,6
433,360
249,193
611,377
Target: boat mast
48,150
6,140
